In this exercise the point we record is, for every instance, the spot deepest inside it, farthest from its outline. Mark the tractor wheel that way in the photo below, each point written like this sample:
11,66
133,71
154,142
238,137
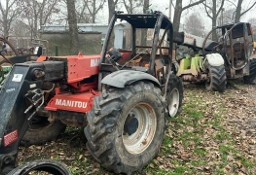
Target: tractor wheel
41,130
217,78
126,127
174,95
43,167
251,78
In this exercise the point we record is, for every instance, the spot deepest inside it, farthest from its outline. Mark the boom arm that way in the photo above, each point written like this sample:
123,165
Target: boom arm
23,80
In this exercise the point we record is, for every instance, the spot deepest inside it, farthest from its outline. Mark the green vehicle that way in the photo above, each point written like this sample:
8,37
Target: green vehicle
5,62
213,63
3,73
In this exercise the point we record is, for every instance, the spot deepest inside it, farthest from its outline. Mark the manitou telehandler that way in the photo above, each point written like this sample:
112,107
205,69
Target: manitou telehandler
121,97
213,62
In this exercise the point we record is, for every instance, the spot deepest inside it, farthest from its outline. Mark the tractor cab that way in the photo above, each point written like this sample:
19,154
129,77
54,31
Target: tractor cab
238,44
235,44
138,42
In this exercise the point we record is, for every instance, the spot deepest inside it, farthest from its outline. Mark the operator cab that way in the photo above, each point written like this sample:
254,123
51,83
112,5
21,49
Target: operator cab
139,42
235,43
239,43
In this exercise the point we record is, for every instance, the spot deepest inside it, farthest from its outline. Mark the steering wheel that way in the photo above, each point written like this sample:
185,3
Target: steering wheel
113,56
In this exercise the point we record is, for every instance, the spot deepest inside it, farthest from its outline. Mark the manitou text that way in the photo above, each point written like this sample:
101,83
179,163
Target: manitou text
71,103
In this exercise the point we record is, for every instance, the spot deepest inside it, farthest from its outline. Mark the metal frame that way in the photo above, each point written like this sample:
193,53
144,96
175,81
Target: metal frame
155,21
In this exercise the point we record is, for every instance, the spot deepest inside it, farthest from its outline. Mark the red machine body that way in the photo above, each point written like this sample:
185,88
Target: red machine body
80,69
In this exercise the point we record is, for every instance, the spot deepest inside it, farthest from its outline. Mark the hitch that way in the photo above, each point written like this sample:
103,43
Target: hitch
36,98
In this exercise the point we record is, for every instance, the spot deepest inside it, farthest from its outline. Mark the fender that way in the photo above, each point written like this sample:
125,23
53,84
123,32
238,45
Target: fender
214,59
122,78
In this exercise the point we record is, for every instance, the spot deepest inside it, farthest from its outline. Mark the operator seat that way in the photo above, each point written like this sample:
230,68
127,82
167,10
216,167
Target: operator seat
239,54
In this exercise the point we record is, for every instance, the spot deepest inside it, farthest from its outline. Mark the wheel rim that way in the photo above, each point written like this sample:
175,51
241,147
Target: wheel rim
174,100
139,128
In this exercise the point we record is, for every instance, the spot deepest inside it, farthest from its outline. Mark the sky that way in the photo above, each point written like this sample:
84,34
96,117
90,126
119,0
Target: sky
163,7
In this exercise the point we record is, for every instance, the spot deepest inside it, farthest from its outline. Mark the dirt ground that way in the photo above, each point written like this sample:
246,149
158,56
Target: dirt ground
241,118
237,108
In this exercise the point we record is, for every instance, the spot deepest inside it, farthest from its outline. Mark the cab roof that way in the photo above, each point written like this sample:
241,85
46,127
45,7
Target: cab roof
145,20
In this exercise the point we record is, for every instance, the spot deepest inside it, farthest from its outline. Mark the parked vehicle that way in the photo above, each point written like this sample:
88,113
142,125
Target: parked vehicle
121,97
214,62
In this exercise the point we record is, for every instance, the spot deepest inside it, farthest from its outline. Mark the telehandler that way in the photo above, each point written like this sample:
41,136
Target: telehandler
121,97
215,62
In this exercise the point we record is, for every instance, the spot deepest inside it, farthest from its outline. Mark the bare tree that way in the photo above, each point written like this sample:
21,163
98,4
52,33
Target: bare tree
38,13
111,8
93,7
144,31
213,9
20,28
73,29
131,5
82,12
227,16
179,8
194,25
8,12
146,6
239,11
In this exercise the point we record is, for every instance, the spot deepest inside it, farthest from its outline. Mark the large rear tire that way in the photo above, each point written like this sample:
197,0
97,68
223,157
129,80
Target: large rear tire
217,78
251,78
41,131
126,127
174,95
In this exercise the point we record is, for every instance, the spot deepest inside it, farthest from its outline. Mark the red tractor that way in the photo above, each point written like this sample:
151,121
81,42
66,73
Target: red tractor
122,97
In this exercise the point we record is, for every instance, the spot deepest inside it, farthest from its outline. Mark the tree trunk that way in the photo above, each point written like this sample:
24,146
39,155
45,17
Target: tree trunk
177,15
73,29
6,27
145,6
111,9
214,20
144,31
178,11
238,11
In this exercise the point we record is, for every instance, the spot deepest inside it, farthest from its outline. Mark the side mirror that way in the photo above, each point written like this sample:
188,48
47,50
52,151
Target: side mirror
38,51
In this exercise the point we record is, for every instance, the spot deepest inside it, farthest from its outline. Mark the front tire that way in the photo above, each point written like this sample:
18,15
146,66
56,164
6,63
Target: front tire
251,78
174,95
41,131
217,79
126,127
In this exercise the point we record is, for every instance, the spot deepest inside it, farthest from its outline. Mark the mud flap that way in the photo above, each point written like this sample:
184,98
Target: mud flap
213,59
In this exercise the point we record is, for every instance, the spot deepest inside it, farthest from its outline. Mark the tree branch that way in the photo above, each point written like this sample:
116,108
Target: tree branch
207,6
193,4
49,11
1,8
208,14
232,3
221,7
248,9
100,7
